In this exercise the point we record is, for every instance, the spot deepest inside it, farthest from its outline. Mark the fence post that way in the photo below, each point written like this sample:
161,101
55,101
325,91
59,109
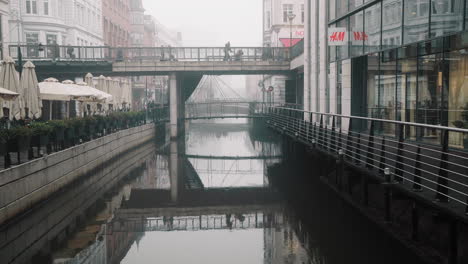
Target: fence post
417,171
382,156
321,136
349,141
399,158
370,146
442,179
333,139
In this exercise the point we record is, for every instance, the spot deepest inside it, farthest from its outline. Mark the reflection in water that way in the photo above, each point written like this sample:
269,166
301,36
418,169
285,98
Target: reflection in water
208,199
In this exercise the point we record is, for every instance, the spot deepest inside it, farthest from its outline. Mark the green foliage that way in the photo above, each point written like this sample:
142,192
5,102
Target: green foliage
40,129
57,124
19,131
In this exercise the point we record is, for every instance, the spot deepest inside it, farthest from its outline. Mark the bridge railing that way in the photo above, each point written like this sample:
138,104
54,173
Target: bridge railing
420,158
229,109
37,52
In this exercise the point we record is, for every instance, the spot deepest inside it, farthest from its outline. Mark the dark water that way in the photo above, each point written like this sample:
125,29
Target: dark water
230,193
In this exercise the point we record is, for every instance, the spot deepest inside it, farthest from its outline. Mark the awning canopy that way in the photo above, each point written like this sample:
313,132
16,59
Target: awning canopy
287,42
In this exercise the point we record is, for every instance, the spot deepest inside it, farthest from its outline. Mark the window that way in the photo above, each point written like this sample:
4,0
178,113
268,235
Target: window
416,24
371,34
446,17
287,10
46,7
32,38
391,22
302,14
357,34
268,19
31,7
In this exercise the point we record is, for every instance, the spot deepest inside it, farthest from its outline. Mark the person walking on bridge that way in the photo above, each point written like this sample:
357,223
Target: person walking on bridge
227,50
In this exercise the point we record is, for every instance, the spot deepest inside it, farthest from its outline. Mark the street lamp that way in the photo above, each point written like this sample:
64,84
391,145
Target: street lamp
277,30
291,17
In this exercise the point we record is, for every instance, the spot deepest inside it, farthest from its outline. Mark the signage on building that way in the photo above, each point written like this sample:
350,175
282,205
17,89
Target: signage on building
339,37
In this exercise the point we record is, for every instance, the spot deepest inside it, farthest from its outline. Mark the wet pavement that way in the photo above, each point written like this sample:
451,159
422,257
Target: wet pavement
231,192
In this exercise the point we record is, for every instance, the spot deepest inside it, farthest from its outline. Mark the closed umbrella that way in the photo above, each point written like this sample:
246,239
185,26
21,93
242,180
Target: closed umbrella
9,79
89,80
109,90
101,85
31,93
117,93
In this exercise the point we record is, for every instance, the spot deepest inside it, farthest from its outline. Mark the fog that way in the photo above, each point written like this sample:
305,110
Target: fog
211,22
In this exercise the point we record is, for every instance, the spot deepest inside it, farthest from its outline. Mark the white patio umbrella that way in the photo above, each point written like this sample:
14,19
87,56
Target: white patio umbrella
31,93
52,89
7,95
9,79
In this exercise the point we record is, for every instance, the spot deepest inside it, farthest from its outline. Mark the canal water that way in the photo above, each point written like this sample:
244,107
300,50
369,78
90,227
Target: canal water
231,192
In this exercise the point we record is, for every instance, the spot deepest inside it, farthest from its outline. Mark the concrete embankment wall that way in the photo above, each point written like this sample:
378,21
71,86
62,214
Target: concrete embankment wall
23,186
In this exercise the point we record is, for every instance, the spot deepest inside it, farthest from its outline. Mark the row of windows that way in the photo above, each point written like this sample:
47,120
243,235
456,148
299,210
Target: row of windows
288,9
392,23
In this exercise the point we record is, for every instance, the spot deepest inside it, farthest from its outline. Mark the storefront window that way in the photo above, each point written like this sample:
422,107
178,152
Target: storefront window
458,95
372,28
356,33
342,51
391,23
416,21
430,97
373,85
446,17
387,89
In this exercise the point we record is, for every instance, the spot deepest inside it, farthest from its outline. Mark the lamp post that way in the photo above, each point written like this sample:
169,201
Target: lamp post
291,17
17,14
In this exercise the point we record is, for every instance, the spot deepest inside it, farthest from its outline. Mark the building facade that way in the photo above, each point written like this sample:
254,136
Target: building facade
62,22
391,59
283,22
283,26
4,26
116,22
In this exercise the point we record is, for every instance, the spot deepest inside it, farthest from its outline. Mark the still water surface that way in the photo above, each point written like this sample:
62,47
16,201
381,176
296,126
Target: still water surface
225,194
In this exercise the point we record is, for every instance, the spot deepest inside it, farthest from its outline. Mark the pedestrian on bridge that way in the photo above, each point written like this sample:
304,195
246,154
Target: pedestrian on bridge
227,50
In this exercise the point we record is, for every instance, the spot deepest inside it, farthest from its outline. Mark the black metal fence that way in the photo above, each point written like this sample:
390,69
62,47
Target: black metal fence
435,171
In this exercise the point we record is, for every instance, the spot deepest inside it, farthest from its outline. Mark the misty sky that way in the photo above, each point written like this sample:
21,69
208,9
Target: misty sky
211,22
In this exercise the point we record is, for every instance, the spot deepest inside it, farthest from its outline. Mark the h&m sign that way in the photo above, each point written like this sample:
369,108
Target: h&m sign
339,37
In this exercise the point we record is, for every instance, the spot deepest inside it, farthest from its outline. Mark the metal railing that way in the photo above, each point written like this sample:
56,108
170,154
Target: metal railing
438,171
192,223
228,109
36,52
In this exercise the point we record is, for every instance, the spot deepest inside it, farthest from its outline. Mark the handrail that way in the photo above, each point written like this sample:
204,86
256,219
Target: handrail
452,129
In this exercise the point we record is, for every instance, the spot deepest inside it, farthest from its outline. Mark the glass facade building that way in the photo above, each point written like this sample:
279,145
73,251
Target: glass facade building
409,61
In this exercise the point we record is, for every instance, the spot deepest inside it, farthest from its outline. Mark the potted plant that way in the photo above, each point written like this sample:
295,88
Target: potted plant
100,124
3,141
89,123
19,138
41,133
58,132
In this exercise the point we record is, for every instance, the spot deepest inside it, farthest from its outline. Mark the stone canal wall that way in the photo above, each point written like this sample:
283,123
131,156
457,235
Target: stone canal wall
23,186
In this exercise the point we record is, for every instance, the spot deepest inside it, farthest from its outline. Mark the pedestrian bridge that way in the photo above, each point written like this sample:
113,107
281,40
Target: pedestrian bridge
143,61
